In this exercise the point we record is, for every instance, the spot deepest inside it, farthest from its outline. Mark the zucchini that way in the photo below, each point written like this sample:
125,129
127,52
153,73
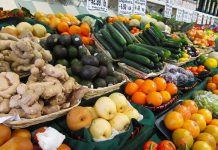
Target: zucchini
139,39
173,50
139,59
109,39
143,51
175,56
149,38
167,53
116,34
171,44
154,35
135,65
157,31
105,44
125,34
154,49
144,39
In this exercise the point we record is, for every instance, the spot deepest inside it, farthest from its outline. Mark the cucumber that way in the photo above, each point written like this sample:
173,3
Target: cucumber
144,39
171,44
175,56
135,65
125,34
154,49
105,44
157,31
154,35
109,39
143,51
139,39
116,34
173,50
149,38
139,59
167,53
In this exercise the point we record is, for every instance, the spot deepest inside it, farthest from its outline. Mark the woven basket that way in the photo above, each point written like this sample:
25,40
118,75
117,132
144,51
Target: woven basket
101,91
23,123
137,73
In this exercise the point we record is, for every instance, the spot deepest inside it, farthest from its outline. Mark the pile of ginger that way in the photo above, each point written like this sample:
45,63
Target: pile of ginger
47,90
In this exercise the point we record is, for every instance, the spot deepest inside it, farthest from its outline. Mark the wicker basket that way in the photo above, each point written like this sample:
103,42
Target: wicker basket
101,91
23,123
137,73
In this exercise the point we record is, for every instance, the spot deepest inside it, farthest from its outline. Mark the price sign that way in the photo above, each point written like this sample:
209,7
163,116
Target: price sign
194,16
125,7
168,11
185,16
100,5
200,17
179,14
205,20
212,21
140,7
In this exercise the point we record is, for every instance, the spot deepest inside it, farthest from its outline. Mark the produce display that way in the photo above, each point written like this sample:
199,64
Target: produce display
191,126
89,82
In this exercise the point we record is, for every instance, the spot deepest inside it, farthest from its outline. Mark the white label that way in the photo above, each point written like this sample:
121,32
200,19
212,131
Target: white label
125,7
212,21
168,11
194,16
170,2
205,20
99,5
179,14
140,7
200,16
185,16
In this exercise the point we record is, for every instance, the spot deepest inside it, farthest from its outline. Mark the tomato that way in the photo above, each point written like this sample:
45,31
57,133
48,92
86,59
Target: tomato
39,130
150,145
166,145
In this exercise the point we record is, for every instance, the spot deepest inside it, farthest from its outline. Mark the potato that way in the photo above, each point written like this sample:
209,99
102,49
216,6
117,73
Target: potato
5,134
21,133
17,143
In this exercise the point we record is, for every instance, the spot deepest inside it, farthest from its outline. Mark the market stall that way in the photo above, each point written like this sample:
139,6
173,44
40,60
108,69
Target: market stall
84,81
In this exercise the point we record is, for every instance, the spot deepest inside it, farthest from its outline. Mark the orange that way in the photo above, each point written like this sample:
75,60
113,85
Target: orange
215,79
210,80
211,86
215,92
166,96
213,130
44,20
192,127
65,33
74,29
201,145
139,82
171,88
154,98
206,137
184,111
86,40
131,88
207,115
182,137
199,119
148,86
192,106
54,22
173,120
214,122
85,29
139,98
160,83
63,27
64,147
21,133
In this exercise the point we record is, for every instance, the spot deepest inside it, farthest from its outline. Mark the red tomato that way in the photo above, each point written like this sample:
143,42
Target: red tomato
166,145
150,145
39,130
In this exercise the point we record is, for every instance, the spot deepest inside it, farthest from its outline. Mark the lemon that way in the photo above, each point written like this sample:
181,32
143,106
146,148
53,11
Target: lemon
210,63
185,55
183,59
149,16
147,26
138,17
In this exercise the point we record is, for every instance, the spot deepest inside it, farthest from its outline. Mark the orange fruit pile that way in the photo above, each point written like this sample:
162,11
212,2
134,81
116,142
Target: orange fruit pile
191,125
152,92
212,84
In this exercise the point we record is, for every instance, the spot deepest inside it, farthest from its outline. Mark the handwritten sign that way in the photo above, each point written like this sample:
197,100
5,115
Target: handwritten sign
179,14
168,10
99,5
125,7
200,17
194,16
140,7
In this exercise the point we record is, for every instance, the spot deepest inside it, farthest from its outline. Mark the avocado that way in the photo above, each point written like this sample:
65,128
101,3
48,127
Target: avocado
110,68
111,80
69,72
87,83
103,72
90,60
76,66
63,62
42,42
89,72
52,40
72,52
99,82
82,51
92,49
103,59
65,40
59,52
77,78
118,77
76,40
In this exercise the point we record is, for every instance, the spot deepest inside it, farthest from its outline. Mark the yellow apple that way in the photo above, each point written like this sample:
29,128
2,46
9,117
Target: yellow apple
120,122
132,113
120,101
93,112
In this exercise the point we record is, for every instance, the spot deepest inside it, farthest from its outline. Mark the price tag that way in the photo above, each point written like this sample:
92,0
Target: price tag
140,7
168,11
125,7
205,20
200,17
185,16
190,16
100,5
179,14
170,2
212,21
194,16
